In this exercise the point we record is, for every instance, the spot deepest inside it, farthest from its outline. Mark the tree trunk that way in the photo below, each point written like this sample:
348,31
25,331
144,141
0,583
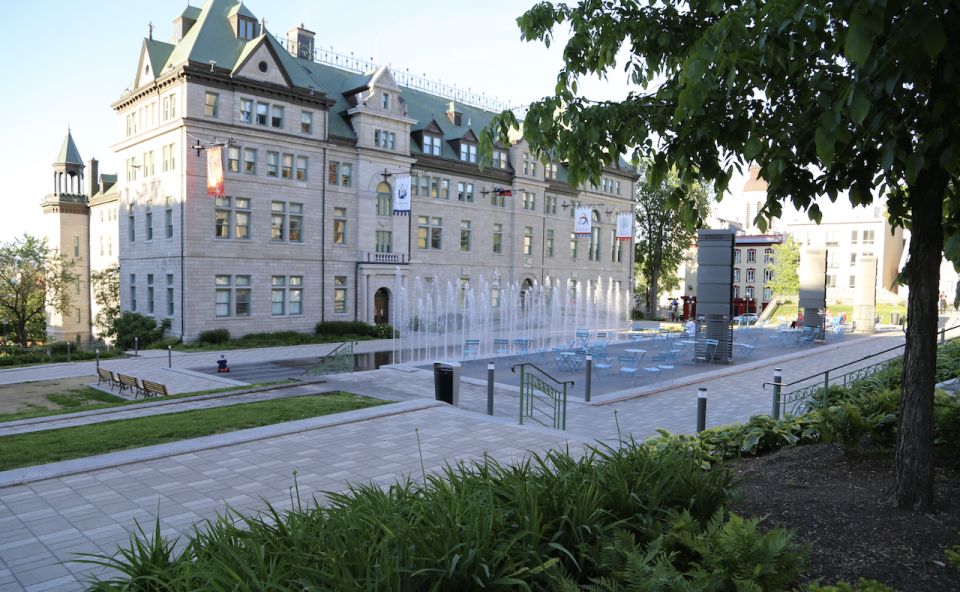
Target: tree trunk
913,487
654,288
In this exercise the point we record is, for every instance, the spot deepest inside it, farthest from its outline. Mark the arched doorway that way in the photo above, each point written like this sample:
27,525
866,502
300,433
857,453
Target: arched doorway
525,287
381,306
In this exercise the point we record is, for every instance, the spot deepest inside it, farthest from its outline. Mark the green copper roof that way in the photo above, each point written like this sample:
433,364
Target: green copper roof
210,39
191,12
68,152
158,53
241,10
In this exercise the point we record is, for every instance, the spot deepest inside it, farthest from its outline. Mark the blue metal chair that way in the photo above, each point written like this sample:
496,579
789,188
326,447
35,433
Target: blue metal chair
471,347
501,347
628,366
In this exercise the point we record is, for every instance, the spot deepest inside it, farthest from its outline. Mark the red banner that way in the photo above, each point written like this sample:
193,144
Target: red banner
215,171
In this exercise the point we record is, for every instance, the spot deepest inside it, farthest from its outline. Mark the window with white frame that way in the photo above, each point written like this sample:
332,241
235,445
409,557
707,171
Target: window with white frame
736,256
150,295
384,200
170,301
384,139
306,122
831,280
385,101
498,238
384,241
250,161
276,117
549,243
573,246
133,292
131,224
550,204
736,274
263,113
768,255
748,293
169,157
233,159
232,295
340,294
853,237
500,159
222,215
286,295
431,145
301,170
445,188
529,199
465,191
211,104
594,252
736,291
468,152
767,293
751,255
465,235
286,221
751,275
868,237
340,173
286,166
429,232
148,169
246,110
528,240
273,164
148,223
498,200
339,226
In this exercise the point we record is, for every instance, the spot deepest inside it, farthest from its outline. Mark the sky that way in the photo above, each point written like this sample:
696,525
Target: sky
69,64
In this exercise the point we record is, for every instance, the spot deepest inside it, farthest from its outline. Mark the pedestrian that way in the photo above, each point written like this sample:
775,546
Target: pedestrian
222,364
943,303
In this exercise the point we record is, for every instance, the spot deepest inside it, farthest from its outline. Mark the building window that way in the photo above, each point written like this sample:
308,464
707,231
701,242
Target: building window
263,113
831,280
168,220
425,185
273,164
868,237
306,122
245,28
594,252
751,274
340,294
384,139
384,241
853,258
468,152
573,246
435,187
431,145
211,107
131,226
339,226
150,302
526,164
278,295
250,161
833,238
768,255
277,218
246,110
241,217
429,232
499,159
736,291
736,256
465,235
767,275
498,238
528,240
853,237
549,244
736,274
340,173
132,167
384,200
222,217
232,296
301,172
148,224
76,246
385,100
853,281
748,293
286,166
751,256
550,170
276,117
133,292
415,184
445,189
233,159
550,204
465,191
148,169
295,222
529,200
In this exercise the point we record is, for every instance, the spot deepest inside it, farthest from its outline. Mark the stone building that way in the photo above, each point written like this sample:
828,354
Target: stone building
312,146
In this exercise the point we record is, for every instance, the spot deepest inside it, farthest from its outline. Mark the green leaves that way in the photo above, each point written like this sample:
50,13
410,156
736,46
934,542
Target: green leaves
825,145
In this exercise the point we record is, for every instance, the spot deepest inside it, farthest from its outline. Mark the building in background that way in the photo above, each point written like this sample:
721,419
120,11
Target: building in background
313,144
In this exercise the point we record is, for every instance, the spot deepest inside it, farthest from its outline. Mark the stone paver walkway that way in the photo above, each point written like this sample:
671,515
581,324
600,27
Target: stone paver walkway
45,522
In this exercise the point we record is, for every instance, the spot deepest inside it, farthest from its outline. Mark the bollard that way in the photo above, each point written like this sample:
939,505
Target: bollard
777,381
136,347
98,357
586,394
490,367
702,409
68,352
169,356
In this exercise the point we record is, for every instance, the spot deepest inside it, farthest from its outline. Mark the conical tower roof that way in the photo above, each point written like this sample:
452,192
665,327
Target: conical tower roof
68,152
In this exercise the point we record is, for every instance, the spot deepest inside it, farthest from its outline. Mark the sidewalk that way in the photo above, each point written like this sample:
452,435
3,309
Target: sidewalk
45,522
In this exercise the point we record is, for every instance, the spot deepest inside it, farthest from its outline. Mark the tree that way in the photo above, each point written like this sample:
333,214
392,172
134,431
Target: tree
664,232
106,295
785,282
130,329
32,278
852,96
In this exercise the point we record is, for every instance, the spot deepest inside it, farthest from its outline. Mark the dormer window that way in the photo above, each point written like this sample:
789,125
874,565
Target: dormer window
246,28
550,170
468,152
499,159
385,101
431,145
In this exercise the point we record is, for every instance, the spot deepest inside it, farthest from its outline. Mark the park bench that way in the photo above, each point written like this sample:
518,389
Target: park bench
104,375
129,382
153,389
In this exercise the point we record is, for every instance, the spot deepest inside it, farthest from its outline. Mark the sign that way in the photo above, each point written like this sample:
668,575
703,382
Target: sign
500,191
624,226
401,196
215,171
582,221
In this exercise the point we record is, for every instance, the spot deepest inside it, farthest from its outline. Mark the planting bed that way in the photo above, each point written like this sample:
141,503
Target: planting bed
837,503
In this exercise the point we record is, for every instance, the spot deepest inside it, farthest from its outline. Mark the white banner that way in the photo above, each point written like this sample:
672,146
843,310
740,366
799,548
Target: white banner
624,226
214,171
581,221
401,196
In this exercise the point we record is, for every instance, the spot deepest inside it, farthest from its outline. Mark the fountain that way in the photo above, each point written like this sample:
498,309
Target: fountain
436,318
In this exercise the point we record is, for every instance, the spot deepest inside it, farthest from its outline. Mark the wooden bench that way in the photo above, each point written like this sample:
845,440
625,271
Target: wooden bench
104,375
153,389
129,382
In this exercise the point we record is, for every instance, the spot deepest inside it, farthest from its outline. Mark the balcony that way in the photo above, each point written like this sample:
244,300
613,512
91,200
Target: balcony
391,258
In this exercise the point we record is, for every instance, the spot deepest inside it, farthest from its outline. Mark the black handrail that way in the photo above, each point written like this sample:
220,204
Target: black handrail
784,384
513,369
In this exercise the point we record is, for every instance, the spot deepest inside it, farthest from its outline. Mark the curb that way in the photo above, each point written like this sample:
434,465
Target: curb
108,460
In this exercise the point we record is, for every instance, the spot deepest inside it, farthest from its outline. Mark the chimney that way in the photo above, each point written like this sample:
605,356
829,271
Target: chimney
300,42
93,177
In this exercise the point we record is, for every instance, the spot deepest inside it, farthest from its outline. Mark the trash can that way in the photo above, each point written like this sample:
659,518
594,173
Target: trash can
446,382
894,318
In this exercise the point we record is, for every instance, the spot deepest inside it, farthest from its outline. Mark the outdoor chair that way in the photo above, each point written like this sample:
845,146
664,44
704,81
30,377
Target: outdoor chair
583,337
628,367
705,351
471,347
544,349
501,347
601,365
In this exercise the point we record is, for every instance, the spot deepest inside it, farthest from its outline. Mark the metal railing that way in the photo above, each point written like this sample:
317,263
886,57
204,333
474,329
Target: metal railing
804,399
338,361
543,398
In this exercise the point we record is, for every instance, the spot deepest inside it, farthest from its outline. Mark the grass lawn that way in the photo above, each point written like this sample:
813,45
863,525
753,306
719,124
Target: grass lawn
788,311
269,341
23,450
89,399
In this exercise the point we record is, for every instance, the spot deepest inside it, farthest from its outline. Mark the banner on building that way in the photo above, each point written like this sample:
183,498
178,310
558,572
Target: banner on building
215,171
502,192
581,221
401,196
624,226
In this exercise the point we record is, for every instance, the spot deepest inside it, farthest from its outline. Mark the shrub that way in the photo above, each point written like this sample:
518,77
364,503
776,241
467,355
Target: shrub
214,336
384,331
351,329
131,325
863,586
